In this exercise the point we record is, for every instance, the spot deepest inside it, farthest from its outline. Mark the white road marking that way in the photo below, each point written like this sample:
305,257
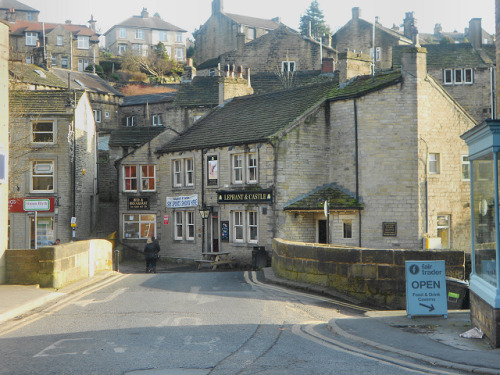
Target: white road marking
61,348
112,296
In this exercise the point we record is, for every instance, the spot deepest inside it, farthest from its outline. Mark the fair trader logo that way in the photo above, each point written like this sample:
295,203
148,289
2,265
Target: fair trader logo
36,205
426,288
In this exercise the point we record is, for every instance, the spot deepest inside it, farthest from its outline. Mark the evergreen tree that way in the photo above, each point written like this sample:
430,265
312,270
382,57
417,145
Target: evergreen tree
315,16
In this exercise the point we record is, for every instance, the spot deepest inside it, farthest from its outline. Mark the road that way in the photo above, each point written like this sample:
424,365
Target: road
192,323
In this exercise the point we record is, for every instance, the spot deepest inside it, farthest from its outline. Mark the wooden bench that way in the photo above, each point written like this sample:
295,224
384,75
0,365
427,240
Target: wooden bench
214,259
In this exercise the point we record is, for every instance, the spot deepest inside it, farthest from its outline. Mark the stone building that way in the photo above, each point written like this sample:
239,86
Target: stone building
281,51
139,34
4,147
53,168
13,10
264,165
357,35
66,46
221,32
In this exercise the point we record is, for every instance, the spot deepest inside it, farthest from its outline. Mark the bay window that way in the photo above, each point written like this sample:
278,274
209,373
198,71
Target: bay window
139,226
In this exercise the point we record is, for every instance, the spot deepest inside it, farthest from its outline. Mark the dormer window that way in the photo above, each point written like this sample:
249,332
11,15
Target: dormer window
288,66
83,42
31,38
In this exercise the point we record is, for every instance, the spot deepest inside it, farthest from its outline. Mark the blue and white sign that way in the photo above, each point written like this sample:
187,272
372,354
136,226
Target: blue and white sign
426,288
182,201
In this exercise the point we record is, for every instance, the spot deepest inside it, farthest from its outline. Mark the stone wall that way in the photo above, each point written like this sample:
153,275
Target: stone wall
57,266
374,276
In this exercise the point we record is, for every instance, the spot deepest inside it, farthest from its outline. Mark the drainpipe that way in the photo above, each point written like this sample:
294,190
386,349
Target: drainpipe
203,221
356,161
492,88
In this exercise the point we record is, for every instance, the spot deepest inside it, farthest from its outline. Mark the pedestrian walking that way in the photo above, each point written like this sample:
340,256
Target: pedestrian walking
151,251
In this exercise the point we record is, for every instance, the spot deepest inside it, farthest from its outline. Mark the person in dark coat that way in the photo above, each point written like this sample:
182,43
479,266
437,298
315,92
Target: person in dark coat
151,251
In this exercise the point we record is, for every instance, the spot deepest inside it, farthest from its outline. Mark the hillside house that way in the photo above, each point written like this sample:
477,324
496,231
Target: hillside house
13,10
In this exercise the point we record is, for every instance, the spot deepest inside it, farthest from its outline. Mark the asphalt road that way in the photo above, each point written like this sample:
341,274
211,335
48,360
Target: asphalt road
191,323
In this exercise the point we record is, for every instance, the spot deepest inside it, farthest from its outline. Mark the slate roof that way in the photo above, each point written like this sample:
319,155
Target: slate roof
268,82
18,28
85,81
162,97
449,55
29,102
252,21
258,118
338,199
201,91
34,75
155,23
18,6
134,136
391,32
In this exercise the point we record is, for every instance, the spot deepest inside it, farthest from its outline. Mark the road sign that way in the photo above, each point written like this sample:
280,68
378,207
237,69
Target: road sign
426,288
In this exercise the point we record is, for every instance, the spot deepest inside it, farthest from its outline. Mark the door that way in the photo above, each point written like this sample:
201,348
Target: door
322,235
215,232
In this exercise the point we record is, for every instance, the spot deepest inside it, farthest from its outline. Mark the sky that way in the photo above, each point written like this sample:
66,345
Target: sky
453,15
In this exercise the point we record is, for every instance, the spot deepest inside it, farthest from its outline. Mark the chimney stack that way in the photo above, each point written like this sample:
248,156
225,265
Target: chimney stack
356,13
144,13
217,7
476,33
410,26
352,64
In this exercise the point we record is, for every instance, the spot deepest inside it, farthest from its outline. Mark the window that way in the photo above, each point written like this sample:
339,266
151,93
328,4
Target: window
83,42
179,37
138,49
106,114
122,48
458,76
129,178
42,132
468,76
59,40
139,34
42,176
44,231
244,168
148,178
448,76
288,66
54,60
162,35
139,226
122,33
184,225
179,54
130,121
245,226
183,172
3,168
252,226
378,53
31,38
252,168
64,62
434,167
97,115
30,16
465,168
250,33
238,169
82,64
157,120
347,224
443,230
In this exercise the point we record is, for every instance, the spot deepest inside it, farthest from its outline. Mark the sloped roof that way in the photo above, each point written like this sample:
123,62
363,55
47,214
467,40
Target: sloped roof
201,91
162,97
18,6
134,136
155,23
18,28
34,75
338,199
252,21
394,33
448,55
258,118
85,81
29,102
266,82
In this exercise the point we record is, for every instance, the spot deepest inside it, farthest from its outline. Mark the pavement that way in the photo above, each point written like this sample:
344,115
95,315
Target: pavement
431,339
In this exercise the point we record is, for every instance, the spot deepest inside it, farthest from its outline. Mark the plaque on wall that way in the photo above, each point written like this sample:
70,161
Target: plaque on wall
213,170
224,230
390,229
258,196
138,203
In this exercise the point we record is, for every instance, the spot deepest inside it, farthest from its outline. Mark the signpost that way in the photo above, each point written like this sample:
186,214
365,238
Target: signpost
426,288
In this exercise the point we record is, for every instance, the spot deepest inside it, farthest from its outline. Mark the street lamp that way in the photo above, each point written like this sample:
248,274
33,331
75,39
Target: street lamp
204,213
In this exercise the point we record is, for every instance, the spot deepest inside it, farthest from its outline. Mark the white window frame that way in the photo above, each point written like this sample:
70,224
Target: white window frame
50,173
252,166
83,42
446,228
97,115
238,228
237,168
448,76
378,53
468,80
458,76
189,171
434,162
251,33
163,36
59,40
288,66
177,172
131,178
147,220
35,132
465,168
157,120
179,225
64,62
130,121
347,229
178,37
253,223
31,38
190,225
139,34
122,33
122,48
179,53
146,177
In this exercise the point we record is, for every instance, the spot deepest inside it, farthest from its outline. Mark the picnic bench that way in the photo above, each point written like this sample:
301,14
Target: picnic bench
214,259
